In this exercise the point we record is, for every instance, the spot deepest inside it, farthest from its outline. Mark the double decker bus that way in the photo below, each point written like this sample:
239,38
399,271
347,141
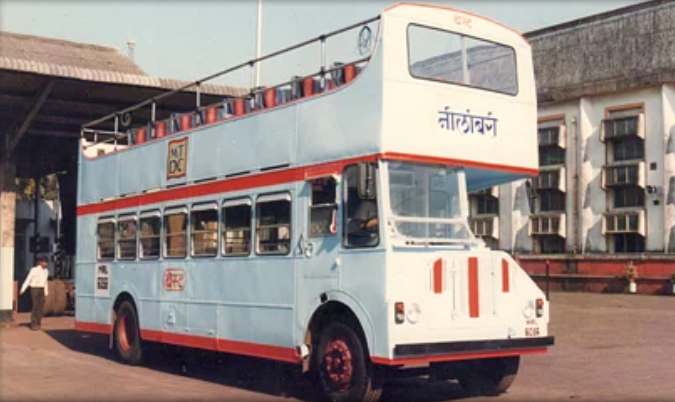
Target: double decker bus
324,221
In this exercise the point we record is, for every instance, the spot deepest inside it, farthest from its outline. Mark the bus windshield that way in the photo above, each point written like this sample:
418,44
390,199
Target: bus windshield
445,56
426,203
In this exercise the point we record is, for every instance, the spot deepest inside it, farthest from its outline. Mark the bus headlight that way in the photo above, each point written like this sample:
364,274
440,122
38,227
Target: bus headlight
528,311
414,313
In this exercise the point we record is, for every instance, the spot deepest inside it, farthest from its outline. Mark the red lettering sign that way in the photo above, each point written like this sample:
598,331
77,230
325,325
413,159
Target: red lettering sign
174,279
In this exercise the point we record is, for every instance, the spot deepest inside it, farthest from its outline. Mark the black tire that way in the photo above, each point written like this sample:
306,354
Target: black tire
489,377
128,334
342,368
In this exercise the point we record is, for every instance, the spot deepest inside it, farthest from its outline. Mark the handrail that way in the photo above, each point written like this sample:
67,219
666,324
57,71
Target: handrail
251,63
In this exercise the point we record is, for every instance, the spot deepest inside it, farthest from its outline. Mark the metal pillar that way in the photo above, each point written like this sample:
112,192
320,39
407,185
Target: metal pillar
7,217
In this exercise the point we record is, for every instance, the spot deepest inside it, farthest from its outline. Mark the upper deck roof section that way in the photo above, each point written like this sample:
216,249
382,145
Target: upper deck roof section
368,107
462,21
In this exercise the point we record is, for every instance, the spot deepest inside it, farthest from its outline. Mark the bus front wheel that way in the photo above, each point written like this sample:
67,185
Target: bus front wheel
489,377
127,334
344,371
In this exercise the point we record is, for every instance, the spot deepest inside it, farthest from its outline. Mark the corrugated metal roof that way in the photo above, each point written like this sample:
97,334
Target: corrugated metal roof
82,61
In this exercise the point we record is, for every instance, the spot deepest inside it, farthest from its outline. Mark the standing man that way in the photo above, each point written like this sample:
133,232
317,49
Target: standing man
37,280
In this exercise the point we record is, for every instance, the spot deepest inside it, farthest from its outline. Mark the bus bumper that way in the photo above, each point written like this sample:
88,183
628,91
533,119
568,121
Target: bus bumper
422,353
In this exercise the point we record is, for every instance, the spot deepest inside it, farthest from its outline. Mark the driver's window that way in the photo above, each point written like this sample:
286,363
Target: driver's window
361,226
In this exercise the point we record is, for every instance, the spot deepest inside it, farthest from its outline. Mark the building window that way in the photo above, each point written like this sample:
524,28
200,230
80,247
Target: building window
126,238
273,231
551,201
237,227
204,230
551,156
628,149
151,228
175,225
549,244
361,221
323,208
106,239
487,205
628,243
626,197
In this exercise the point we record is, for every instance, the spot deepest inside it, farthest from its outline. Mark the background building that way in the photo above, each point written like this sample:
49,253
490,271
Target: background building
605,196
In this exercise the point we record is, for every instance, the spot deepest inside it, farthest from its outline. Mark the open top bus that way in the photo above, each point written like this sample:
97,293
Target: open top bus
324,221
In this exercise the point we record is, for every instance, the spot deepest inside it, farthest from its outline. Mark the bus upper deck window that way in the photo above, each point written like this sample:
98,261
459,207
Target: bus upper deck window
106,239
323,209
273,234
150,229
444,56
204,230
175,225
126,238
361,220
236,218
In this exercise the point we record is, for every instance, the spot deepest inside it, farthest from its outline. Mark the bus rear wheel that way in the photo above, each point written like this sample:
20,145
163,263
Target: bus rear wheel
344,371
489,377
127,334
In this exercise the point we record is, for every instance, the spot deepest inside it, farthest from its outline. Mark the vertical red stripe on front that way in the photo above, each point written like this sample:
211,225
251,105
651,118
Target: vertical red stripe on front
474,306
506,282
438,276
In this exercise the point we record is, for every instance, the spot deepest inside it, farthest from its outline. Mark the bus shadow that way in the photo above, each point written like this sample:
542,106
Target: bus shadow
247,373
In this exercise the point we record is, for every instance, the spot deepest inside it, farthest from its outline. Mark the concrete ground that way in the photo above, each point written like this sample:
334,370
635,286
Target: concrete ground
608,347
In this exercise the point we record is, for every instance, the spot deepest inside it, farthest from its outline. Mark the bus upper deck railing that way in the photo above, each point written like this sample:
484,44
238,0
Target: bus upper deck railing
257,97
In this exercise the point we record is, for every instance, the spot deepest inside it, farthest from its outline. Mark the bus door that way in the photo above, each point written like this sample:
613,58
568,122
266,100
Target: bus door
173,316
319,241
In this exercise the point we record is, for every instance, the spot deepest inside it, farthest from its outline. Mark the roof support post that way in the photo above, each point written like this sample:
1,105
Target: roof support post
14,135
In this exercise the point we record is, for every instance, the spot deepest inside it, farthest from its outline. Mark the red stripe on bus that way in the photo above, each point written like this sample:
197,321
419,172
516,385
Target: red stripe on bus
93,327
397,156
454,357
275,178
223,345
474,306
438,276
506,283
202,342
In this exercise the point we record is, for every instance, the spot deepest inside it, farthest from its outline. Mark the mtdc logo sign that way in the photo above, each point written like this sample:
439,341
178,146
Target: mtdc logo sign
176,165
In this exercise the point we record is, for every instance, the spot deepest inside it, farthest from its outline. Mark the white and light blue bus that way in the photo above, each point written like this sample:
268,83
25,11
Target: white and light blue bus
324,221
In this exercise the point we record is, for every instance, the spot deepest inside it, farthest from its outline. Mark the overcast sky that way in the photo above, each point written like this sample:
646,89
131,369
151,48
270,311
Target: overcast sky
190,39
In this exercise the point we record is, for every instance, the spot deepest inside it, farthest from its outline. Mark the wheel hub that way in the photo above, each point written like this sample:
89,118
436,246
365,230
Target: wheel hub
339,364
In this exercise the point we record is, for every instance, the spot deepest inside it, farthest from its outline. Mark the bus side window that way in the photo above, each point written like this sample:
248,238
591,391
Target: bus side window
236,217
361,226
273,230
175,225
151,227
106,239
323,207
204,230
126,237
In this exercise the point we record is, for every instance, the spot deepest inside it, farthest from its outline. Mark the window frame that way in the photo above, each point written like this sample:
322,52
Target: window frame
333,205
104,220
126,218
513,49
267,198
155,213
201,207
231,203
175,211
345,207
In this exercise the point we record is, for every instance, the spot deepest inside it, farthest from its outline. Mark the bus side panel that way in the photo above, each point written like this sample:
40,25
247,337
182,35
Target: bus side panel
345,123
84,269
142,168
98,178
248,144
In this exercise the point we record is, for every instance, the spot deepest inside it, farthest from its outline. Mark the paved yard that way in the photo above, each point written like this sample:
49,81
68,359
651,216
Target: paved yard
609,347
